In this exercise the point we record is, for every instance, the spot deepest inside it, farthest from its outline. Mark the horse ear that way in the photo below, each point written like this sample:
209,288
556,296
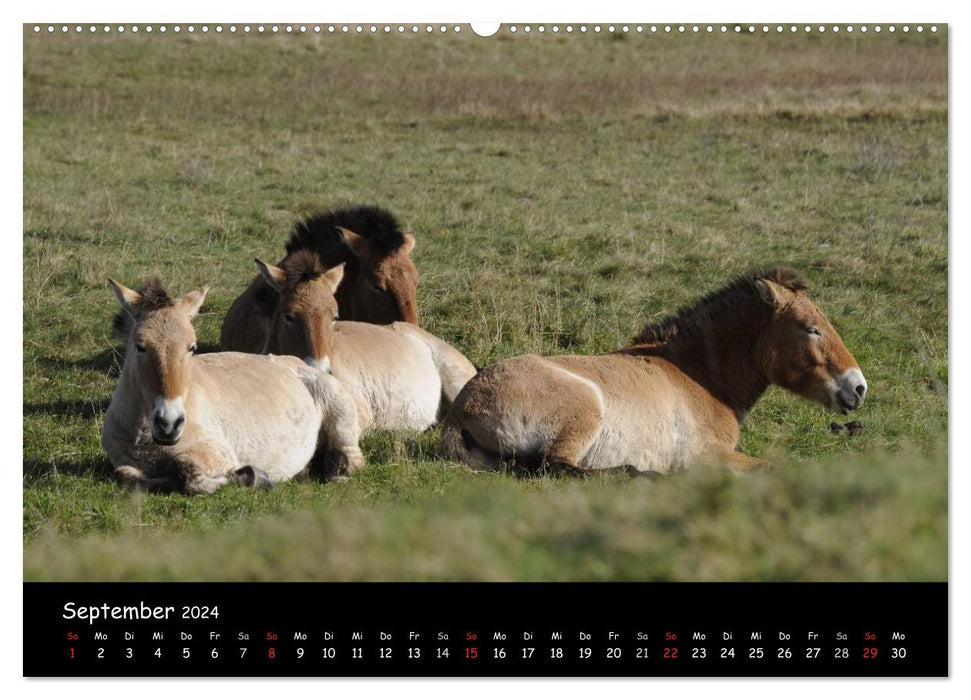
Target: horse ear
128,298
272,275
355,242
192,302
333,277
409,244
771,293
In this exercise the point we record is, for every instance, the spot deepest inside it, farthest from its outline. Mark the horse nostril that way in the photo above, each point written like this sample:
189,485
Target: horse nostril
860,390
181,419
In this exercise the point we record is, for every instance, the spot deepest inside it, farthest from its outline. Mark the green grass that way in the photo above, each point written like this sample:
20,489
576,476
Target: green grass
563,192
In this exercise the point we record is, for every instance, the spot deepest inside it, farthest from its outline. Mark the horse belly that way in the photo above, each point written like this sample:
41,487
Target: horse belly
283,448
407,403
649,437
402,392
264,412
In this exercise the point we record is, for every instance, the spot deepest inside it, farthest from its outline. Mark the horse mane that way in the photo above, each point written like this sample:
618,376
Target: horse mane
154,296
301,266
319,233
695,317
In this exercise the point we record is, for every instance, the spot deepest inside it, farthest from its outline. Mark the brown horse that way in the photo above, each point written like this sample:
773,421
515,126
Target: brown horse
674,398
379,282
197,423
400,376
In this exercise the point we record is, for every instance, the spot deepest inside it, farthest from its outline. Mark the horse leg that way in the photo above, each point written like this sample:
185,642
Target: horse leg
253,478
738,462
338,452
204,468
135,479
330,465
578,430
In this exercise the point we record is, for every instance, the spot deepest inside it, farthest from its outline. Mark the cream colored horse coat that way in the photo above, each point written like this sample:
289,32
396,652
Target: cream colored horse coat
400,377
241,410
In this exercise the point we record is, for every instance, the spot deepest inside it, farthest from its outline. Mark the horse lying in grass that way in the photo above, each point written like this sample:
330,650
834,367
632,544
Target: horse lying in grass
400,377
177,421
379,282
674,398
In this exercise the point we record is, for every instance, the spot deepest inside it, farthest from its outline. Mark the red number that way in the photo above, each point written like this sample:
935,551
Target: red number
72,652
870,653
271,653
670,652
471,652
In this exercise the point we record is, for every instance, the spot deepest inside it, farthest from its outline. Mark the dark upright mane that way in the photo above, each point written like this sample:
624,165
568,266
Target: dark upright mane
695,316
301,266
319,231
154,296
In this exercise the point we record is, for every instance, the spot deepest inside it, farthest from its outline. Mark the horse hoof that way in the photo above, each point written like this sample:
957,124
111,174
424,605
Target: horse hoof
252,478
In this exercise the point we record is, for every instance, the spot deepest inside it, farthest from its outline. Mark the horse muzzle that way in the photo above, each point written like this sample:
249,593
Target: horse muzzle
849,392
167,421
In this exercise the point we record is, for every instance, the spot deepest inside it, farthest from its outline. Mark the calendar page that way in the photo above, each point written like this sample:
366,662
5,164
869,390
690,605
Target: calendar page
512,350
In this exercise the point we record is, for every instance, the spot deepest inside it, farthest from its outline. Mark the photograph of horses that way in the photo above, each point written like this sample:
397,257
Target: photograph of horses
550,305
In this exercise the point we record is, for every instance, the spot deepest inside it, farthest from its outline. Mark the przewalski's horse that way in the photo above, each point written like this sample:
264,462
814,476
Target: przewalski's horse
676,397
379,283
401,377
196,423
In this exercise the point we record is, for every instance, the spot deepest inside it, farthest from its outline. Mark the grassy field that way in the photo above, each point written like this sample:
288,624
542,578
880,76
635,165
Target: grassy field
563,191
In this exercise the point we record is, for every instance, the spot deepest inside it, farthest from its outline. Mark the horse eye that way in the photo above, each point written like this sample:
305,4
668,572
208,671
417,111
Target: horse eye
288,318
193,348
335,319
139,347
812,330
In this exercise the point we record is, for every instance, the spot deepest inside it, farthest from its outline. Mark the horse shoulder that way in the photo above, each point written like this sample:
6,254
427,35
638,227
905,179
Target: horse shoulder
714,422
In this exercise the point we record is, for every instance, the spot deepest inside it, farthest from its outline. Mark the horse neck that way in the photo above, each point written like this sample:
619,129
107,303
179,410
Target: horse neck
722,356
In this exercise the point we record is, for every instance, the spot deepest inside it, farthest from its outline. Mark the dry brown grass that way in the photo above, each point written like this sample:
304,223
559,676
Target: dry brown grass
507,77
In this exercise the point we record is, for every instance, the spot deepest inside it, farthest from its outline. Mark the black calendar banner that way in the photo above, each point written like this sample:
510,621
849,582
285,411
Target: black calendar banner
485,629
